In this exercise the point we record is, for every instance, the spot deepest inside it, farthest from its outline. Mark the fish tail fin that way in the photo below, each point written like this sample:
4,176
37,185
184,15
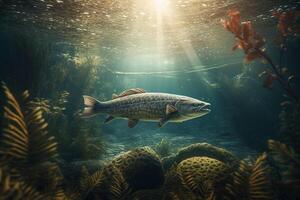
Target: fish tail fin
91,108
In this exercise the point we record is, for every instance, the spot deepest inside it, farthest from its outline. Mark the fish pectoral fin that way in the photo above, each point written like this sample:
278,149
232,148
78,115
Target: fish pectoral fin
170,109
108,119
162,122
132,122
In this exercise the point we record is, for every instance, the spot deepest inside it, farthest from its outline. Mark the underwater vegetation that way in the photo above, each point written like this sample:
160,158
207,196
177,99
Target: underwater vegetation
30,168
41,133
253,46
28,152
163,148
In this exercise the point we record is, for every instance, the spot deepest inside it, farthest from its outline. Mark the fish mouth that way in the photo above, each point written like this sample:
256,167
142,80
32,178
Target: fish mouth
205,108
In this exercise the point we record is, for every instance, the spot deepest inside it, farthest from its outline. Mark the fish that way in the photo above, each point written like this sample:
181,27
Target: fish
138,105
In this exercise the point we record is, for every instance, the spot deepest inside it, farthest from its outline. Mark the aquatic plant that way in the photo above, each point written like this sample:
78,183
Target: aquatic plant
250,181
89,182
84,148
174,186
107,183
163,148
288,162
289,125
27,149
148,194
253,46
14,189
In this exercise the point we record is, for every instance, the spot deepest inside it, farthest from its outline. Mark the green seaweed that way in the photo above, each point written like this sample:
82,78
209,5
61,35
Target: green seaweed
163,148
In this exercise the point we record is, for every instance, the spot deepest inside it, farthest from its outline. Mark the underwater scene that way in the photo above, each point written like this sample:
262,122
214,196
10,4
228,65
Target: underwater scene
149,99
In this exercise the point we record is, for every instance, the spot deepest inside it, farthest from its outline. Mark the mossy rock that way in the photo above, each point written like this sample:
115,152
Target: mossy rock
200,174
141,168
200,149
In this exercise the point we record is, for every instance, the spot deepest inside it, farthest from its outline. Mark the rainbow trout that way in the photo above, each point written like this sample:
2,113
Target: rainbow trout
136,104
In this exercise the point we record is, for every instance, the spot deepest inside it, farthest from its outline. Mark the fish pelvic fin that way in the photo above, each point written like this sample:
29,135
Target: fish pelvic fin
132,122
91,107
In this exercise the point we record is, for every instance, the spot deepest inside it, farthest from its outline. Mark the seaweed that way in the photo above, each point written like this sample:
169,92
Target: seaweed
175,188
250,181
27,150
289,125
288,162
13,189
89,182
84,148
163,148
253,46
107,183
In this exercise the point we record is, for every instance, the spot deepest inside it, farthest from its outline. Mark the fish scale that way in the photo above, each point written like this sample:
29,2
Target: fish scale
145,105
136,104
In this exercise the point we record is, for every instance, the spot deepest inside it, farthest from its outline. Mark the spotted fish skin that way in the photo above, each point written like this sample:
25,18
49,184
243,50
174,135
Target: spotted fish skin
136,104
144,106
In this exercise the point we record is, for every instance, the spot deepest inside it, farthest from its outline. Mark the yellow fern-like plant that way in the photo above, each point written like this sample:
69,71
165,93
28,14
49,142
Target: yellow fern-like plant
89,182
26,147
250,181
25,136
107,183
16,190
289,162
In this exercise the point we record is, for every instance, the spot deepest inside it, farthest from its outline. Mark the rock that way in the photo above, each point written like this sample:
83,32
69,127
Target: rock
199,149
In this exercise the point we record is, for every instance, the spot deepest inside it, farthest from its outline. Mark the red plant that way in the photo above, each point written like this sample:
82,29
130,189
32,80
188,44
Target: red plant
287,23
247,39
253,46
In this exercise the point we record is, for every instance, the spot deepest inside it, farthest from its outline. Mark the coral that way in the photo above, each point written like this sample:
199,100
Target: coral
250,181
200,172
27,150
163,148
288,162
141,168
200,149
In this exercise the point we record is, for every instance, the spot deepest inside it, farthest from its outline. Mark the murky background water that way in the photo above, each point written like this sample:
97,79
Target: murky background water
58,50
103,47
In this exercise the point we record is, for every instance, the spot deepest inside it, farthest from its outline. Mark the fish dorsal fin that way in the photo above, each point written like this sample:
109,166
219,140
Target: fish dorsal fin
114,96
170,109
131,91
